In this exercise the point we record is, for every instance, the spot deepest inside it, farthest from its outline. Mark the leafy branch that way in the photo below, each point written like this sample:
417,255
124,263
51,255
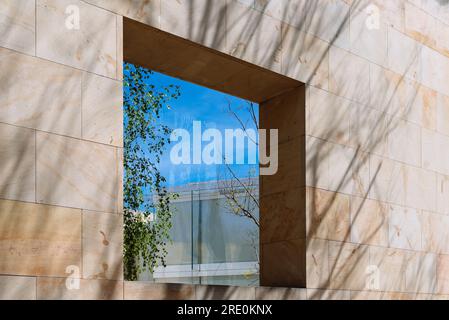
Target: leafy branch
147,214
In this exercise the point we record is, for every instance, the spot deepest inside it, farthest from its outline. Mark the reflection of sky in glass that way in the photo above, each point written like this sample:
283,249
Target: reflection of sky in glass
211,107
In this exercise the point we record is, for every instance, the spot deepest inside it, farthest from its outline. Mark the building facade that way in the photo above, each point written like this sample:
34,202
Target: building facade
359,89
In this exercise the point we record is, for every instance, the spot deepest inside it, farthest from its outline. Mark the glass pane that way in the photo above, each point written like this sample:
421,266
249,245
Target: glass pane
214,233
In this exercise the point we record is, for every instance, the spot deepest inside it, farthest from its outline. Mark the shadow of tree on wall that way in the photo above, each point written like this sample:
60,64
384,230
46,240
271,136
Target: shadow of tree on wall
29,87
252,40
309,18
343,266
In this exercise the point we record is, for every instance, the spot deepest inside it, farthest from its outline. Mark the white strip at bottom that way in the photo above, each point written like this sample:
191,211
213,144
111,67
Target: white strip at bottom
207,270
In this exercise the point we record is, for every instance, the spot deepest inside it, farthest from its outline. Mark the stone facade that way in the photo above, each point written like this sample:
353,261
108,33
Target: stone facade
376,141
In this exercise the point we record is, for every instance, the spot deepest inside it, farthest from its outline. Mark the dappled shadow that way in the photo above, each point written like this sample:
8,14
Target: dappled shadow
47,173
352,129
343,165
355,129
249,36
376,114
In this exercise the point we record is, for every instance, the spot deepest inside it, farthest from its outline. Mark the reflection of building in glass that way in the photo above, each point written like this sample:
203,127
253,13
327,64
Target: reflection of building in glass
211,244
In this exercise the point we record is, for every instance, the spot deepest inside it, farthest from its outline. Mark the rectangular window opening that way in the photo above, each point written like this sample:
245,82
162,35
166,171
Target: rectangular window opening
208,165
237,222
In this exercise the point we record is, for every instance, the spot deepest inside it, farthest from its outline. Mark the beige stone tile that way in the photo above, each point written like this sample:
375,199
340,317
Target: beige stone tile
328,215
264,293
17,163
224,293
389,91
158,291
423,297
147,12
442,36
443,274
56,289
387,179
433,8
328,20
378,295
434,236
247,31
405,228
369,43
76,173
17,25
120,48
422,109
348,264
435,151
369,130
397,296
435,68
102,110
342,164
404,55
404,142
283,216
366,295
248,3
38,240
328,116
318,294
420,275
360,174
17,288
420,188
348,170
430,153
283,264
102,246
91,48
120,174
390,12
442,194
199,21
305,57
38,94
317,263
286,113
317,162
369,222
442,117
348,75
290,173
272,8
392,265
431,142
437,9
419,25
